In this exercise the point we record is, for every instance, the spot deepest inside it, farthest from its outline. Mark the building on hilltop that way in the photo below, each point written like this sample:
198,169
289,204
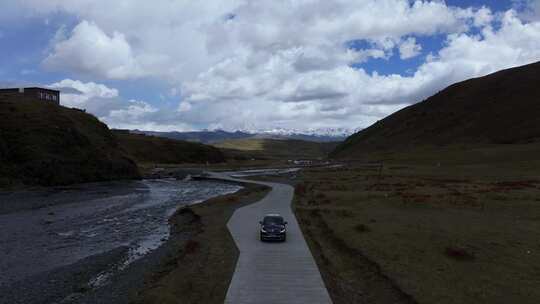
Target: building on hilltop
30,94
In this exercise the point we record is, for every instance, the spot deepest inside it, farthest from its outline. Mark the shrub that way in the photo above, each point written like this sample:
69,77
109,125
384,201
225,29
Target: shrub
300,189
459,253
191,246
320,195
362,228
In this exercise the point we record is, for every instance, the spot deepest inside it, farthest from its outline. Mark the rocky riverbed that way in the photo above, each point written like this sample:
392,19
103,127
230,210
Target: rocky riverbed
56,243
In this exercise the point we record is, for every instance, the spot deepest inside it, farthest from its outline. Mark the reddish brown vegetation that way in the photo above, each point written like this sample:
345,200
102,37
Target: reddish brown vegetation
514,185
414,197
300,190
191,246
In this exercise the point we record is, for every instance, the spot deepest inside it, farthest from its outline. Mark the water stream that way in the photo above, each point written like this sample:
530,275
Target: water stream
38,240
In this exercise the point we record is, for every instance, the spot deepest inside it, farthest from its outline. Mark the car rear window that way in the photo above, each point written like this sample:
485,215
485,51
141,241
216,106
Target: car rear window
276,220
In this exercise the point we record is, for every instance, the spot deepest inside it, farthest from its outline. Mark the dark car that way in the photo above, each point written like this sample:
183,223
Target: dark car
273,228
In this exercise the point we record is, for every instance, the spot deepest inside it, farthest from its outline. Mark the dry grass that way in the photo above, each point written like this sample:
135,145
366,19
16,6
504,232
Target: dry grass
201,270
466,233
274,149
159,150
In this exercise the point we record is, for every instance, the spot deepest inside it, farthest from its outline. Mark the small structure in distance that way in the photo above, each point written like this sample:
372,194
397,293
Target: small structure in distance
30,94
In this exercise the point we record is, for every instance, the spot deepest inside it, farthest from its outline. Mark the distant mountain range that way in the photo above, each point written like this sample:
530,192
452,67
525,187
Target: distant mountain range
215,136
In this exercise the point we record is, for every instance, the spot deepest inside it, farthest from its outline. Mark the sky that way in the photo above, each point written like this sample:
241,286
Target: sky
303,65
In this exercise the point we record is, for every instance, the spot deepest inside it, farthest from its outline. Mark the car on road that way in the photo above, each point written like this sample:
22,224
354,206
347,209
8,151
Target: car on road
273,228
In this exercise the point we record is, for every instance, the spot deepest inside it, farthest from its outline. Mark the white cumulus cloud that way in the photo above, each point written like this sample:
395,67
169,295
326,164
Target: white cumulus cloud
276,64
409,48
89,50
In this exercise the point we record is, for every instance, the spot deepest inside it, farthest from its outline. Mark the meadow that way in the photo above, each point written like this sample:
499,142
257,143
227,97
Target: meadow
461,225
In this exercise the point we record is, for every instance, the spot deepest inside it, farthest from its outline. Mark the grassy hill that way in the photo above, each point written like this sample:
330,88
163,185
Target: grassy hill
44,144
265,148
451,210
152,149
501,108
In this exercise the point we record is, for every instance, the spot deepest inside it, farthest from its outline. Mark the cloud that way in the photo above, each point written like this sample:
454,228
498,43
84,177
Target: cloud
89,50
483,17
75,93
530,9
409,49
110,107
95,98
470,55
133,112
360,98
177,41
265,64
90,89
136,114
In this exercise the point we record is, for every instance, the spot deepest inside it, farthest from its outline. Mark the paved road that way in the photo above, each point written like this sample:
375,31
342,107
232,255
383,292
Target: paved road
273,272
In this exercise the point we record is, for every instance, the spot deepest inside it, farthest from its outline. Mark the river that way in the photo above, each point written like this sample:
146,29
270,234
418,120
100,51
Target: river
62,226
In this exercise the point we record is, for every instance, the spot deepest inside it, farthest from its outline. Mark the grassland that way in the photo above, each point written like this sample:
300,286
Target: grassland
432,225
45,144
272,149
158,150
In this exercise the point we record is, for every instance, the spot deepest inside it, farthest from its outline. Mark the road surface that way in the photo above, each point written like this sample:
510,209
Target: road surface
273,272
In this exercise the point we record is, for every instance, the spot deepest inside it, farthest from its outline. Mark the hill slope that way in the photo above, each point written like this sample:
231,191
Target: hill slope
264,148
205,137
152,149
500,108
44,144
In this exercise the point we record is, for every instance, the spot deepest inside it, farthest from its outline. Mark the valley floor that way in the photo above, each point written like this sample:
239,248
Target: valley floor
431,225
424,233
410,229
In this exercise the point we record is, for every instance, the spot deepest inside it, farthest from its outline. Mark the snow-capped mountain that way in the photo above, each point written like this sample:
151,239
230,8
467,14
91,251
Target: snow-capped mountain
212,136
321,132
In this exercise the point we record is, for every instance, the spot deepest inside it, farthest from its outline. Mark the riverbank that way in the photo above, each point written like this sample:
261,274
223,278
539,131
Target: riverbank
90,245
35,198
203,255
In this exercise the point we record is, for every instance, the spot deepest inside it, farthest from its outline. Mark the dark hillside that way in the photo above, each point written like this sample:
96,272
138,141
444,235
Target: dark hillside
152,149
205,137
45,144
501,108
